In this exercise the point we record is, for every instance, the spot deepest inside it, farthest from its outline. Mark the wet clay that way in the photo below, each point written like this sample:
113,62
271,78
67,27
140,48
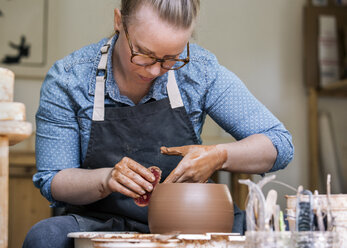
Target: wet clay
143,200
190,208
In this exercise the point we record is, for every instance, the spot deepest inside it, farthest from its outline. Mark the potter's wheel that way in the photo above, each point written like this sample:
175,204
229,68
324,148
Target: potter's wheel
137,240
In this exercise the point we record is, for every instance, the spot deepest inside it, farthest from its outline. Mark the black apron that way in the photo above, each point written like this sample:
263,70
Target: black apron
136,132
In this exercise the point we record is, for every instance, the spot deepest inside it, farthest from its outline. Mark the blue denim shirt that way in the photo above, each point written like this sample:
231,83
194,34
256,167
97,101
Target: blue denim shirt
64,116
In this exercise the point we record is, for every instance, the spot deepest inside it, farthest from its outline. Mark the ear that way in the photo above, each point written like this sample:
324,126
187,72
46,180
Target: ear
117,24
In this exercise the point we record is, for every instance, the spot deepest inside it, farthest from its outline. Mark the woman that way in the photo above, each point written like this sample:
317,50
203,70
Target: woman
110,110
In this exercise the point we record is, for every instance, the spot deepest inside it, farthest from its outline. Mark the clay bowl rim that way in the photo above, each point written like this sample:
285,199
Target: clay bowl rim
220,185
189,186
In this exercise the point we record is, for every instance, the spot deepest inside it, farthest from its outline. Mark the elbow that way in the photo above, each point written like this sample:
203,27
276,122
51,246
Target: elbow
285,151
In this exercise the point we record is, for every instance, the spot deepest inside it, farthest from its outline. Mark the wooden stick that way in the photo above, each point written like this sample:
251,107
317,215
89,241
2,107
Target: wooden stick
4,191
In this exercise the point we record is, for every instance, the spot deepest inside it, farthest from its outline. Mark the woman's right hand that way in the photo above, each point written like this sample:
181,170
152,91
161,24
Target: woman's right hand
130,178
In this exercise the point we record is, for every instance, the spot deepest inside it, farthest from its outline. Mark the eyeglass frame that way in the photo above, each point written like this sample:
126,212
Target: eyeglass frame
155,59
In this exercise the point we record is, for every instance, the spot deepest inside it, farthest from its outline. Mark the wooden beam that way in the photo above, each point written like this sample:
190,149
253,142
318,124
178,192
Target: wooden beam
4,191
239,192
313,140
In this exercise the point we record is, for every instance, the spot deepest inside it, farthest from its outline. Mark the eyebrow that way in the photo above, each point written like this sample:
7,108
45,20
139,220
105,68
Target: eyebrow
149,52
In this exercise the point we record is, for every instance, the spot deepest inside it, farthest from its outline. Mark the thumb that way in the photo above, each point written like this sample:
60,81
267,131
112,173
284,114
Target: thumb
178,150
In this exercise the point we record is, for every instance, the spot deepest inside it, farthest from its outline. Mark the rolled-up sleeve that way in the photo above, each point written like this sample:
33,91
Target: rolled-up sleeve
57,134
239,113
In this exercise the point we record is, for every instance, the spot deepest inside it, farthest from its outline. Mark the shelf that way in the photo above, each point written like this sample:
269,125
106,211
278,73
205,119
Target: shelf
16,131
312,79
311,31
337,89
331,4
329,7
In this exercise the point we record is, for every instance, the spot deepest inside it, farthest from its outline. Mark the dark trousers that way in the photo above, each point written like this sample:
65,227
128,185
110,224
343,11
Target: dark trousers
52,233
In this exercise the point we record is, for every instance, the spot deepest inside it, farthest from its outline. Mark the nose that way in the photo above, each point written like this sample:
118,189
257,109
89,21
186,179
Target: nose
154,69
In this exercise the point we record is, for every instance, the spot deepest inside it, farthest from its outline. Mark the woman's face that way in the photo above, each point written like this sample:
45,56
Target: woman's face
152,36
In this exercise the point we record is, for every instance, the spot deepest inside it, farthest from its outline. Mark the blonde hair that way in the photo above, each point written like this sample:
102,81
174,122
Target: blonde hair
180,13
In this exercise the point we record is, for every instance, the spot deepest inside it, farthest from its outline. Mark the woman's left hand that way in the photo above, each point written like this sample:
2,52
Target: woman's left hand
198,164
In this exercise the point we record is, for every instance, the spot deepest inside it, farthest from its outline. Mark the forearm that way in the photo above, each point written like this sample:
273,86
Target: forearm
80,186
254,154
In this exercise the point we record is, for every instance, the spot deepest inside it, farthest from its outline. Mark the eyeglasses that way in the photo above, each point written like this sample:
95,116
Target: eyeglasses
147,60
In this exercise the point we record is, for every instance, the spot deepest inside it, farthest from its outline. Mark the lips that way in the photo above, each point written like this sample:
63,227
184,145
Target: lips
146,79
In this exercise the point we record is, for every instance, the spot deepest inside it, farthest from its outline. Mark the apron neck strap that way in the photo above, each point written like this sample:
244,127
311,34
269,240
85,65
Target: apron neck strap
173,91
99,95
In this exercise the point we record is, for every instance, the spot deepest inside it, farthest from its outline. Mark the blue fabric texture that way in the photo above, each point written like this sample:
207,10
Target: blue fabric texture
52,233
64,116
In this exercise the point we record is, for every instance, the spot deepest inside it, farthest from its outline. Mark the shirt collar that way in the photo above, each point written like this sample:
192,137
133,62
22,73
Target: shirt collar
111,88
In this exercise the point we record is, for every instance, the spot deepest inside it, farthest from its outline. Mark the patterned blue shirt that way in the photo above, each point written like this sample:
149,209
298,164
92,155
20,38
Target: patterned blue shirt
64,116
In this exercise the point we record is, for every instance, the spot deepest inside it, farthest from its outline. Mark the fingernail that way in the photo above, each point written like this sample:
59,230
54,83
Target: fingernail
150,188
143,192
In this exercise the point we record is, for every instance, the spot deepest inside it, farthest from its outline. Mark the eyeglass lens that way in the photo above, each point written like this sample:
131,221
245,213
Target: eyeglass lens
146,61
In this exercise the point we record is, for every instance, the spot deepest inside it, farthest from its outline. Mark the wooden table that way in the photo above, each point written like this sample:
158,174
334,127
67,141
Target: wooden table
13,129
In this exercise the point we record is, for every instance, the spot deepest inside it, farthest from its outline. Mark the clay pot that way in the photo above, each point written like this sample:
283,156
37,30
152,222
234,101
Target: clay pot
190,208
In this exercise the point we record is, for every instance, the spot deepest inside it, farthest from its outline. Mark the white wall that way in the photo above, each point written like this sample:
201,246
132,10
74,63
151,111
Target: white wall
260,41
72,24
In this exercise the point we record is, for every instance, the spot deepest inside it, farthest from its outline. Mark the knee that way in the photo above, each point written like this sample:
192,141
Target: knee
47,233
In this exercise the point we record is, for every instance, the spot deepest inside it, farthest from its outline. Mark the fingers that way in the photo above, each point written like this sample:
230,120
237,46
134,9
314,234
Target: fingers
131,178
170,150
189,170
177,175
117,187
184,177
141,170
172,177
179,150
